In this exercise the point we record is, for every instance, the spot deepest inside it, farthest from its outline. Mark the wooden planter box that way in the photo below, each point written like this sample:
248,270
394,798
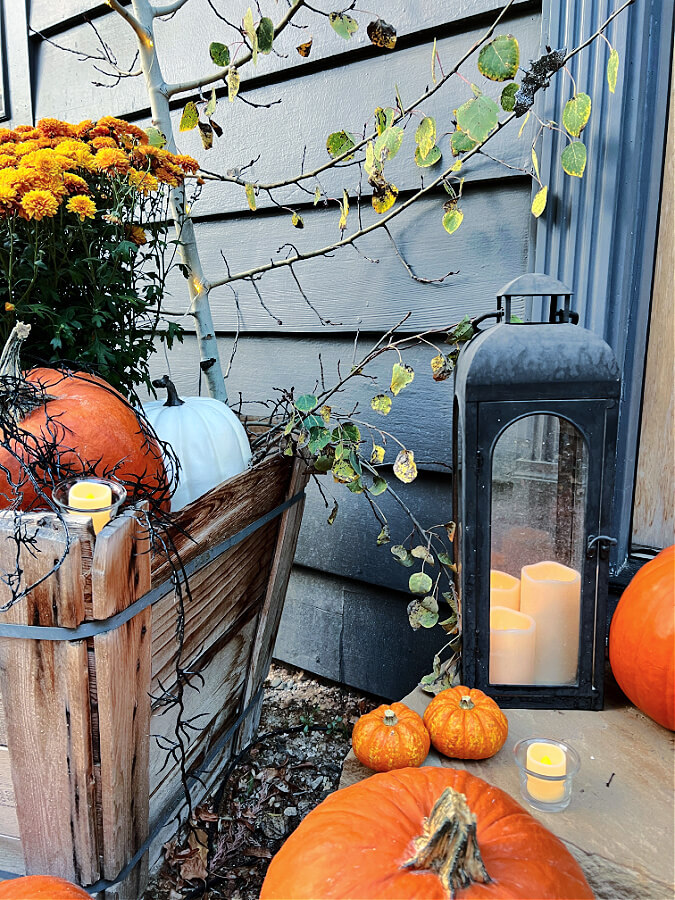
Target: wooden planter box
83,785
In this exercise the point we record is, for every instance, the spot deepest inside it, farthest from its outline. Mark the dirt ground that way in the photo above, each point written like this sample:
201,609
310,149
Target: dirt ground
306,727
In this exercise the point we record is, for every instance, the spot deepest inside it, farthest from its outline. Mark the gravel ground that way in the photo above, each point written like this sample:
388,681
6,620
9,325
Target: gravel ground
270,791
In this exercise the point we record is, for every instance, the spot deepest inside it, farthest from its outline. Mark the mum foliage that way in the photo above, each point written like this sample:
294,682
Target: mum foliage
83,244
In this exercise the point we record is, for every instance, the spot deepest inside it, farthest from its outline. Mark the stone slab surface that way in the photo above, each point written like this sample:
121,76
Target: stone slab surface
620,822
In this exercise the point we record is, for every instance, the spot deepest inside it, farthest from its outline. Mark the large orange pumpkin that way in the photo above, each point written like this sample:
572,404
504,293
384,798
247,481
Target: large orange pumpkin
390,737
465,723
414,834
81,426
40,887
642,639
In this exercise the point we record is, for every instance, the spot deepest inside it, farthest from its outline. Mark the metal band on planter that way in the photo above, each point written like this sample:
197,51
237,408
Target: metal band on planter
91,629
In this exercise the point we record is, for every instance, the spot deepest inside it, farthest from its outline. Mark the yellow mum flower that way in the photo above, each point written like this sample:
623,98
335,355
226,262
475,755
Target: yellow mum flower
79,153
56,128
8,306
109,160
74,183
39,204
82,206
7,161
8,189
47,162
137,235
100,142
27,179
143,181
187,163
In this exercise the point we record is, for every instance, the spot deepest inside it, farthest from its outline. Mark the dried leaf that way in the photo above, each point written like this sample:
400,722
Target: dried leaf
206,134
404,466
333,513
535,163
442,367
211,105
189,118
249,28
420,616
233,80
297,221
384,536
384,197
325,412
305,49
250,196
381,404
342,224
401,555
382,34
194,868
421,552
377,456
401,376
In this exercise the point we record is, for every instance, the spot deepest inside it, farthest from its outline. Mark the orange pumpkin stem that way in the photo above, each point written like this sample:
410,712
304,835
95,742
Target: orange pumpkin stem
466,702
448,845
390,717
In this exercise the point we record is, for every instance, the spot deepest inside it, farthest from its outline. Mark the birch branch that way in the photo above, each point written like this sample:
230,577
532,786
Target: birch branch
159,11
199,83
143,34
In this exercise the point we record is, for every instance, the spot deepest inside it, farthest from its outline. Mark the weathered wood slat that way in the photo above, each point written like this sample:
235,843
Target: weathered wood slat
45,695
121,574
11,855
9,823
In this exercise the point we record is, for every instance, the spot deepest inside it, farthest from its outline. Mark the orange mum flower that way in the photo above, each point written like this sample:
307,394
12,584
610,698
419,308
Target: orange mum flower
74,184
143,181
137,234
39,204
99,142
8,188
82,206
187,163
56,128
109,160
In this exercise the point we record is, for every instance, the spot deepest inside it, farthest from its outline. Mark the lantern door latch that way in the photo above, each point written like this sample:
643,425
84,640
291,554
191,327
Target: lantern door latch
602,541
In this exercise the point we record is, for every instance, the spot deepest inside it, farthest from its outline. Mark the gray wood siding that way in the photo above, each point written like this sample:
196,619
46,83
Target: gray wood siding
338,87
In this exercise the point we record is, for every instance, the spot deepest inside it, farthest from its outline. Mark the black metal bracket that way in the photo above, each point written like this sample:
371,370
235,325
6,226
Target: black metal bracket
603,542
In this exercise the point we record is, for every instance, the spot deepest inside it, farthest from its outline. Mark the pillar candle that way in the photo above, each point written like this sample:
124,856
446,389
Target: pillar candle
551,594
512,646
84,496
504,589
546,759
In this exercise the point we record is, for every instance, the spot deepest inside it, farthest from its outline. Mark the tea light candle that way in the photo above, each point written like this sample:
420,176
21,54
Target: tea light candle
551,594
546,759
512,646
84,496
504,589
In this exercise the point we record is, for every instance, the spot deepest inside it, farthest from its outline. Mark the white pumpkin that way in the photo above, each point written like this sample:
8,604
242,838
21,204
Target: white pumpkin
207,437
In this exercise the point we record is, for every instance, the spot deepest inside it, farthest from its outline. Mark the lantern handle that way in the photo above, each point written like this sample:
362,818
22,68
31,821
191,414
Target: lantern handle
538,284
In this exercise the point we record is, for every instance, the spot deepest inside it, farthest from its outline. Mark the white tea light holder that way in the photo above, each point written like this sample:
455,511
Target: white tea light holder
547,769
99,498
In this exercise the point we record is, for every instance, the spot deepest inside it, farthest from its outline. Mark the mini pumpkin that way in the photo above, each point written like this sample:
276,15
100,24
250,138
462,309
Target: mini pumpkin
429,834
390,737
40,887
642,639
465,723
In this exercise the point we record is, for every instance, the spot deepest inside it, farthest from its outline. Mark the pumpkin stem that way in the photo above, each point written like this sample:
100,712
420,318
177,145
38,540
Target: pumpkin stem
390,717
18,396
165,382
466,702
448,845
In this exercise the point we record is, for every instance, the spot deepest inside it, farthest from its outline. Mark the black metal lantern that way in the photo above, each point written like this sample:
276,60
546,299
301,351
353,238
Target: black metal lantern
535,421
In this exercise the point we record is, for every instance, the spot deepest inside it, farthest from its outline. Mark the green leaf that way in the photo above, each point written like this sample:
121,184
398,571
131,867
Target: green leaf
421,552
477,117
508,97
377,456
388,143
323,464
421,613
318,443
189,118
249,28
446,560
297,221
383,118
452,220
461,143
211,105
233,80
420,583
343,24
379,486
612,69
343,472
350,432
463,331
576,114
535,163
265,34
381,404
539,202
305,403
433,156
425,136
155,137
219,53
340,142
499,59
401,376
404,466
573,158
384,196
333,514
250,196
356,486
384,536
402,556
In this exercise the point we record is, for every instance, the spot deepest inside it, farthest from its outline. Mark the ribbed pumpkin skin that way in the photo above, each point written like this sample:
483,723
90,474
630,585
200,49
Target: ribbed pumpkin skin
466,733
40,887
642,639
91,418
384,747
352,846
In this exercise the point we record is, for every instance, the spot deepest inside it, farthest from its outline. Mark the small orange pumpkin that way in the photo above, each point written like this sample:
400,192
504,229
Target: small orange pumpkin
466,724
390,737
40,887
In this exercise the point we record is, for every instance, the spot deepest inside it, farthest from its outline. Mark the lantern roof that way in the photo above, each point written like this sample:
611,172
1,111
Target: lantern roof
530,361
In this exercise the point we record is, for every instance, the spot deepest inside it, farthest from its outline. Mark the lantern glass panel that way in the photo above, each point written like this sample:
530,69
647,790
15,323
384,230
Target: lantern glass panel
538,491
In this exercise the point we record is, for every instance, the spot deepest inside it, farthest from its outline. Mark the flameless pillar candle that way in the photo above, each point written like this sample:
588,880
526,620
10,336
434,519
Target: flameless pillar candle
546,759
91,495
551,594
504,589
512,646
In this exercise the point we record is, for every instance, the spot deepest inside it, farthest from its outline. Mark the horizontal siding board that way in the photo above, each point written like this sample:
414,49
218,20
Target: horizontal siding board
488,250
